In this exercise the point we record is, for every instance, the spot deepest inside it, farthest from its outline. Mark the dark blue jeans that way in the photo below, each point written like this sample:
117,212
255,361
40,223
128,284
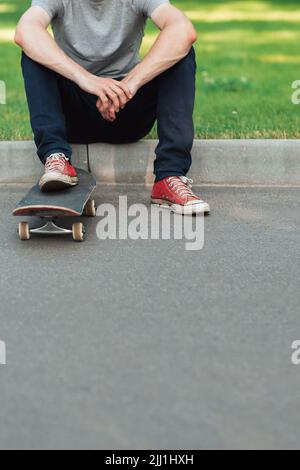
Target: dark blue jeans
61,113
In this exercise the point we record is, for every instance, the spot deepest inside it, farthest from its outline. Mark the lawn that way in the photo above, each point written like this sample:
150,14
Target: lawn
248,56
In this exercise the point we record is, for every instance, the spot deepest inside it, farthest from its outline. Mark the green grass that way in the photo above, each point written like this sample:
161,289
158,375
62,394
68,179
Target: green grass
248,56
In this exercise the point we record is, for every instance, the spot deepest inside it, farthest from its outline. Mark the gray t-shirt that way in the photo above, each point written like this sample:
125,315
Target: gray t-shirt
103,36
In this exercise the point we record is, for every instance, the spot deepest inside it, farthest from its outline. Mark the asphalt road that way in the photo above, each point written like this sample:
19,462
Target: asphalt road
141,344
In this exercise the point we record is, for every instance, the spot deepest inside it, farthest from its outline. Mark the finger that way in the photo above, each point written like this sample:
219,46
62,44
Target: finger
121,95
108,113
103,110
99,104
107,118
105,115
114,98
125,88
112,113
104,99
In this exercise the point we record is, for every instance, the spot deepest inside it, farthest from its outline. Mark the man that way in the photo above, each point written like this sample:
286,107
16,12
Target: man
87,85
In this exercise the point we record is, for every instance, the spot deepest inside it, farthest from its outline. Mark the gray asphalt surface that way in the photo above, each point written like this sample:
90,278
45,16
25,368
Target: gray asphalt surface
142,344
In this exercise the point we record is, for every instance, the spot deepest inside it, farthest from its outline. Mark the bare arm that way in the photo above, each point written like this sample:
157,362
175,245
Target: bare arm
33,37
173,44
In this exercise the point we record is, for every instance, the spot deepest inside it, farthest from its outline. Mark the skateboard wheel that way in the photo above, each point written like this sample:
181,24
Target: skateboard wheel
23,231
78,232
90,208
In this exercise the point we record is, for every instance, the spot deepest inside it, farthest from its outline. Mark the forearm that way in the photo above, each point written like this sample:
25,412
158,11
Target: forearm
40,46
172,45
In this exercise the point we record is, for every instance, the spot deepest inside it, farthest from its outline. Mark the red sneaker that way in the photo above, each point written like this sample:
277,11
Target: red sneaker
175,192
59,174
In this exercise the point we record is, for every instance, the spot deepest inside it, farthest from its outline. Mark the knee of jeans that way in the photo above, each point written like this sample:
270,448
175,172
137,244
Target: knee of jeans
23,57
25,60
192,54
190,58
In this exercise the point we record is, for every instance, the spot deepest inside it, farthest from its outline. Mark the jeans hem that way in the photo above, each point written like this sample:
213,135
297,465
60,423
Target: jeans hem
161,176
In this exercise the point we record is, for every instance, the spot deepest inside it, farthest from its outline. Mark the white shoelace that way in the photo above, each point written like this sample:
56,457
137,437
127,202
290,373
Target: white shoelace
181,185
56,162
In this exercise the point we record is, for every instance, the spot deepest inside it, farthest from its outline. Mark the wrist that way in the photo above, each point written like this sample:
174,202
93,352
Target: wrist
82,77
133,82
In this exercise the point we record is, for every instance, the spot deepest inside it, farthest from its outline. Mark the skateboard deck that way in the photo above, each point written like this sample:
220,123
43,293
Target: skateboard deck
72,202
67,203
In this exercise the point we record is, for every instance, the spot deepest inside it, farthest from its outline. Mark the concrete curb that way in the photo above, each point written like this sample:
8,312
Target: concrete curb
228,162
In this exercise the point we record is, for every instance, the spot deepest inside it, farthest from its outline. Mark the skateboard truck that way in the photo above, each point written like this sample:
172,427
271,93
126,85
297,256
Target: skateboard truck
75,202
51,228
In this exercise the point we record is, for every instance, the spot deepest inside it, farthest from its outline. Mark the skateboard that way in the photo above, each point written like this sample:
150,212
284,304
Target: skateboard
72,202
